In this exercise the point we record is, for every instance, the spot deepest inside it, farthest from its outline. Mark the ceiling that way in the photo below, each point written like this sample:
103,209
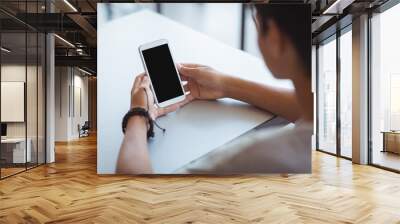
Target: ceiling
73,20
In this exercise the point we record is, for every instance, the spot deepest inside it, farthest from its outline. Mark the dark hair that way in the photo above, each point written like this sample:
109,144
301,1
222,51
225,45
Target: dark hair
292,19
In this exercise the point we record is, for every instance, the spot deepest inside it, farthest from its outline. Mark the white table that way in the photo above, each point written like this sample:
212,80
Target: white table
18,149
195,129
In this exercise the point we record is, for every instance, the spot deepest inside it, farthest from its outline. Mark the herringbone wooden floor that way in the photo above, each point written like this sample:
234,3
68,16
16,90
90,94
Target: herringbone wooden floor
70,191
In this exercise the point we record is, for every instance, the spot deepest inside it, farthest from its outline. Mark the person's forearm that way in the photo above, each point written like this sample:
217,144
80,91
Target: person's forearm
133,156
279,101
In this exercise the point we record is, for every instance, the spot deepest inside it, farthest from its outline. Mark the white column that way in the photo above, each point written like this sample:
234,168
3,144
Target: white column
314,91
360,90
50,99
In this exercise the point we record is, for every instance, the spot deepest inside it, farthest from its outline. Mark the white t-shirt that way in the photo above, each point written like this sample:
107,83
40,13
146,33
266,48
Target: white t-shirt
272,150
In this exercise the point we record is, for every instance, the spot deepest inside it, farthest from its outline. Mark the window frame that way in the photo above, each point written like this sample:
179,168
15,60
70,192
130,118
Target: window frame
333,37
378,10
31,30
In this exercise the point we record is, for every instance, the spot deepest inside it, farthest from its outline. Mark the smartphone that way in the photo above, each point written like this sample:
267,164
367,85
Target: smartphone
161,69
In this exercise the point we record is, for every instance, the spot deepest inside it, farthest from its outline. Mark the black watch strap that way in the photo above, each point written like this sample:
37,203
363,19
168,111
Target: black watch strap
139,111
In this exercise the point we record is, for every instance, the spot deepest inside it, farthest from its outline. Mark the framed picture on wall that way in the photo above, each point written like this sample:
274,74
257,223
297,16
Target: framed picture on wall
12,101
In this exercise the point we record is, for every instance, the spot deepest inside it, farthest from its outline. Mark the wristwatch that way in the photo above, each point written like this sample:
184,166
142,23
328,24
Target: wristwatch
139,111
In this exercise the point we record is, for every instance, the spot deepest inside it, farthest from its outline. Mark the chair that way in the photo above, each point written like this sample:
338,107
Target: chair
84,130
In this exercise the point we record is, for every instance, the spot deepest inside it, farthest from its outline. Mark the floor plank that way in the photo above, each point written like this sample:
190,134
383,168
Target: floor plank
70,191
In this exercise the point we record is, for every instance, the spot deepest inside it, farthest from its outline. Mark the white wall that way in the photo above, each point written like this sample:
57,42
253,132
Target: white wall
61,103
70,83
79,117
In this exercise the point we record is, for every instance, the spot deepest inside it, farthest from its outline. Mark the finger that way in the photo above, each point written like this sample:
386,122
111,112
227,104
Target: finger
186,86
140,76
149,95
145,82
138,80
153,113
170,108
183,77
191,65
189,72
161,111
189,97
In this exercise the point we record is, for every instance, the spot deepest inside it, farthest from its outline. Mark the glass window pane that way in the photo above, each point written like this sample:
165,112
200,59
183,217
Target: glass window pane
13,86
327,96
385,87
31,89
221,23
250,35
346,94
22,91
31,97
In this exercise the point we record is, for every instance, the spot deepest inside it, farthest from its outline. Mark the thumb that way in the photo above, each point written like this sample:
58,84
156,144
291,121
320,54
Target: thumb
187,71
145,81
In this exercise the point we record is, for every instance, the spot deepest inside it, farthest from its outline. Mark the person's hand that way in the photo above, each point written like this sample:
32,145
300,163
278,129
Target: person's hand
203,82
142,96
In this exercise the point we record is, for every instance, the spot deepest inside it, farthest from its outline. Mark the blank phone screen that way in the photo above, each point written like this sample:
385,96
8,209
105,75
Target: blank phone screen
162,72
